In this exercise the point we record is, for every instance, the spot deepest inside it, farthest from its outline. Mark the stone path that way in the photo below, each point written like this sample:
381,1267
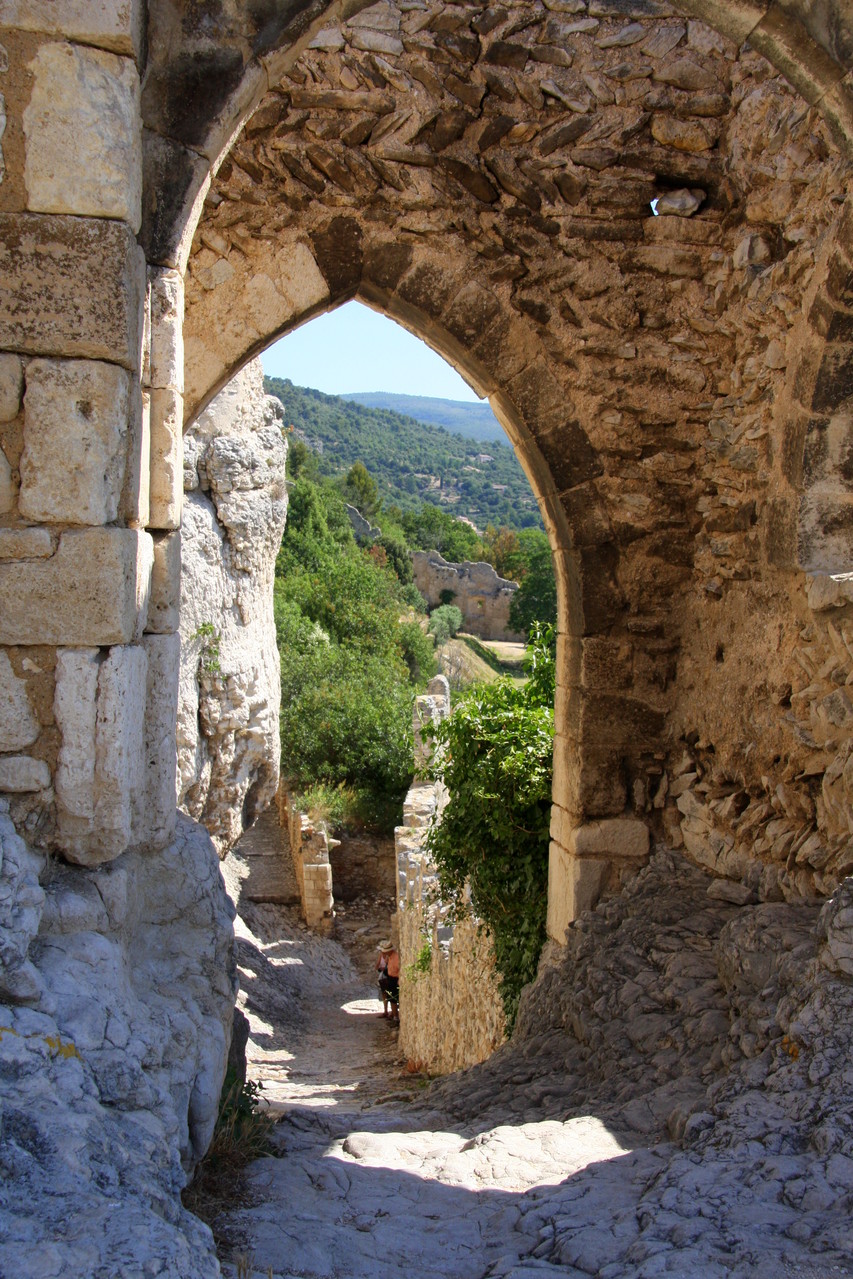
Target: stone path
650,1119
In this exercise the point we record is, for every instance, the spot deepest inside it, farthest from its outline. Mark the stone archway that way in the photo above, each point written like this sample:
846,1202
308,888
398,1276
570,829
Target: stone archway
508,222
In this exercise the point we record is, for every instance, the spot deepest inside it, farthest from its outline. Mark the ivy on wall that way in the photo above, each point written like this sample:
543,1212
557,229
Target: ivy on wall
490,847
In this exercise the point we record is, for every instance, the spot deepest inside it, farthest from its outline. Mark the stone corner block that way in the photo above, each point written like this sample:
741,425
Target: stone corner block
117,26
615,837
93,591
83,132
71,286
75,423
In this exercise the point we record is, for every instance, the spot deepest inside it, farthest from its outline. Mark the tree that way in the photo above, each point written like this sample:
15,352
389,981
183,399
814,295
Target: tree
502,550
360,490
536,598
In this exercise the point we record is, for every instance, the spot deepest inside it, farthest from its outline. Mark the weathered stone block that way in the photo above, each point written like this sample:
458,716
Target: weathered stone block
83,134
116,26
615,837
166,359
25,544
155,801
94,590
75,709
573,887
8,487
166,484
119,753
11,385
75,422
18,725
88,275
22,773
164,606
134,504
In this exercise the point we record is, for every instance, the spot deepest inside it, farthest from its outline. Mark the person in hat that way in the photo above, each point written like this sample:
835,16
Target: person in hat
388,967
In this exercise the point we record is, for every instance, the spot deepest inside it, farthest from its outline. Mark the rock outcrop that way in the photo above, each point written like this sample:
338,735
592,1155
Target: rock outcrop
476,589
234,514
112,1055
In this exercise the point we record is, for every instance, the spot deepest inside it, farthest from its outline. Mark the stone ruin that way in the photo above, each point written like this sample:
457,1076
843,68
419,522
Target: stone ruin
482,596
627,223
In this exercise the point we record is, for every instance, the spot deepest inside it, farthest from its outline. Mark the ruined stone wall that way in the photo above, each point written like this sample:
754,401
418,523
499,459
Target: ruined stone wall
673,379
483,597
309,849
677,388
451,1015
235,508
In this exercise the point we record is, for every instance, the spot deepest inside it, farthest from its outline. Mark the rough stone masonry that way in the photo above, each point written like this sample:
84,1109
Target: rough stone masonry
628,223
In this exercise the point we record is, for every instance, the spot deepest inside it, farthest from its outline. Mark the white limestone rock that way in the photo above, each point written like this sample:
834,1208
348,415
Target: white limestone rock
235,506
109,1087
18,725
83,134
75,421
21,901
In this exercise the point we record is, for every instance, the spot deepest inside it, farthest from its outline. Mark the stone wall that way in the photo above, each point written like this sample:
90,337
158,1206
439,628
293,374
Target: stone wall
483,598
235,507
451,1014
362,865
309,848
677,388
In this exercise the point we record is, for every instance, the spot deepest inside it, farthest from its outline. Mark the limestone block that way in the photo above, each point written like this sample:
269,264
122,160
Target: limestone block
574,885
21,773
75,424
164,607
94,590
119,739
11,385
116,26
88,276
611,837
25,543
167,459
75,709
134,505
155,806
166,360
83,132
8,488
18,725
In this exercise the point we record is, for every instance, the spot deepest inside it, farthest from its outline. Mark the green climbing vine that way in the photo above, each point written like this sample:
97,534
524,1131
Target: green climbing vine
494,755
209,655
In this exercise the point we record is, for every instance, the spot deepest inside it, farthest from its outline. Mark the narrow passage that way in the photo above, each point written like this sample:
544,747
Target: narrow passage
634,1130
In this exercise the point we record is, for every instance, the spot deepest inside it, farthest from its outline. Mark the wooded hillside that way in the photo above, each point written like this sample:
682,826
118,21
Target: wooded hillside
411,461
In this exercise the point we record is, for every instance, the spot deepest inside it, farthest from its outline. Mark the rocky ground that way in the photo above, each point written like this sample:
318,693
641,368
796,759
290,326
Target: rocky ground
676,1101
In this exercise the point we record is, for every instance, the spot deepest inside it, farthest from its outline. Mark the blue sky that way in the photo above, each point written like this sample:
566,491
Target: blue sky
356,349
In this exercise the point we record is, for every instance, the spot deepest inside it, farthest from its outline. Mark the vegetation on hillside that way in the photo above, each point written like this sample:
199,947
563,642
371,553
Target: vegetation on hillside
353,655
494,755
412,462
473,421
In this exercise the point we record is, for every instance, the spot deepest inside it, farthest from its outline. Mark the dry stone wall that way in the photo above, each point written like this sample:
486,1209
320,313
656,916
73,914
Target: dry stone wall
451,1015
235,508
482,596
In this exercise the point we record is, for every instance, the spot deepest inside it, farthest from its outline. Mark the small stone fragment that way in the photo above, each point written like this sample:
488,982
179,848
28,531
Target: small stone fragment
681,203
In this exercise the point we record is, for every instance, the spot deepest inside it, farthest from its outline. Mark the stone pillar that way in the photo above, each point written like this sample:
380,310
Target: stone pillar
77,727
598,724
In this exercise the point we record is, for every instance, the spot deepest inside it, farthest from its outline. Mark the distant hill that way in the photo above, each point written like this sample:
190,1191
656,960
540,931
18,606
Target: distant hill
411,461
474,421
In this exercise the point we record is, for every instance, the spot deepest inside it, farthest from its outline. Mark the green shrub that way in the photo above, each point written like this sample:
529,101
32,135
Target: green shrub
494,755
350,666
444,622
